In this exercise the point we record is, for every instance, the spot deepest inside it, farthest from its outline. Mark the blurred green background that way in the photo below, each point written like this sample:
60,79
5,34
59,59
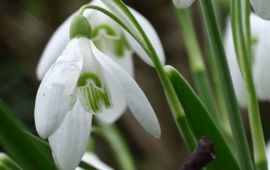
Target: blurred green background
26,26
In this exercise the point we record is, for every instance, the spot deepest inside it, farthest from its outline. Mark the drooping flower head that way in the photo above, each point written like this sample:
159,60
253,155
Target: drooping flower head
81,83
260,60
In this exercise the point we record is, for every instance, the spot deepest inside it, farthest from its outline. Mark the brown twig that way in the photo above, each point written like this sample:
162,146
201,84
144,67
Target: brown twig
203,154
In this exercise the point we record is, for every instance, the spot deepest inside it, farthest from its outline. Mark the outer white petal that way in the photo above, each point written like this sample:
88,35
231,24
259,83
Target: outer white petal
56,92
182,3
93,160
153,37
54,48
134,96
262,8
69,142
126,62
119,105
237,79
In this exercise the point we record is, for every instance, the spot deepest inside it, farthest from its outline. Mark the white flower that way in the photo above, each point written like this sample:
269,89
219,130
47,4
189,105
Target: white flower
84,82
260,60
109,37
182,3
94,161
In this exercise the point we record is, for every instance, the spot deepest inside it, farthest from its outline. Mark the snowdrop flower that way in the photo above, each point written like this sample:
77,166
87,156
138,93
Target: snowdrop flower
81,83
108,36
260,62
94,161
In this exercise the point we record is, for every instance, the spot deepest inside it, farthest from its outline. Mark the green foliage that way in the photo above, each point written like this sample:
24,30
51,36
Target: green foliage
201,121
27,153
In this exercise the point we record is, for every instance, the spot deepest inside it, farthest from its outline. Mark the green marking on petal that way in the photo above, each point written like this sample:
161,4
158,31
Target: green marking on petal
120,46
109,30
254,40
120,43
85,79
93,95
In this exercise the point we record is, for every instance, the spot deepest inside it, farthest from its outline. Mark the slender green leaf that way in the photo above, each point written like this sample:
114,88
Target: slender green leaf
201,121
19,146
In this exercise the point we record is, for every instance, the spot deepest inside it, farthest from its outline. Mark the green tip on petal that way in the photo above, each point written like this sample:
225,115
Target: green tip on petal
80,27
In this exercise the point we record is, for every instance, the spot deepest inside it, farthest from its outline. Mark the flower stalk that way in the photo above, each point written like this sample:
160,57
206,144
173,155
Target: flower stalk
196,61
242,41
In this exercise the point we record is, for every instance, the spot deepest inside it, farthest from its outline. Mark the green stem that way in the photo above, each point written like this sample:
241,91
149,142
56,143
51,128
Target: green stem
118,144
243,152
243,48
220,97
196,62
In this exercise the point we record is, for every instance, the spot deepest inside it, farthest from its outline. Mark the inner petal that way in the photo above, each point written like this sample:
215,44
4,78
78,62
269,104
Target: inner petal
93,93
110,40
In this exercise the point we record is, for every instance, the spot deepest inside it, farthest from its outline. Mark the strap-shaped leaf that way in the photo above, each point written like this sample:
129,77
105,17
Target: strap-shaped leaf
19,146
201,122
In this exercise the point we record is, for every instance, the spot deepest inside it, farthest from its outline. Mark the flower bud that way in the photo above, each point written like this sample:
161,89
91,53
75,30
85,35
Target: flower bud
80,27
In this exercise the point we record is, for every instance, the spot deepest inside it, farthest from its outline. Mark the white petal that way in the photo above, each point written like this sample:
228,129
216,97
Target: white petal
134,96
119,105
55,96
54,48
182,3
262,8
94,161
50,109
153,37
126,62
69,142
237,79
